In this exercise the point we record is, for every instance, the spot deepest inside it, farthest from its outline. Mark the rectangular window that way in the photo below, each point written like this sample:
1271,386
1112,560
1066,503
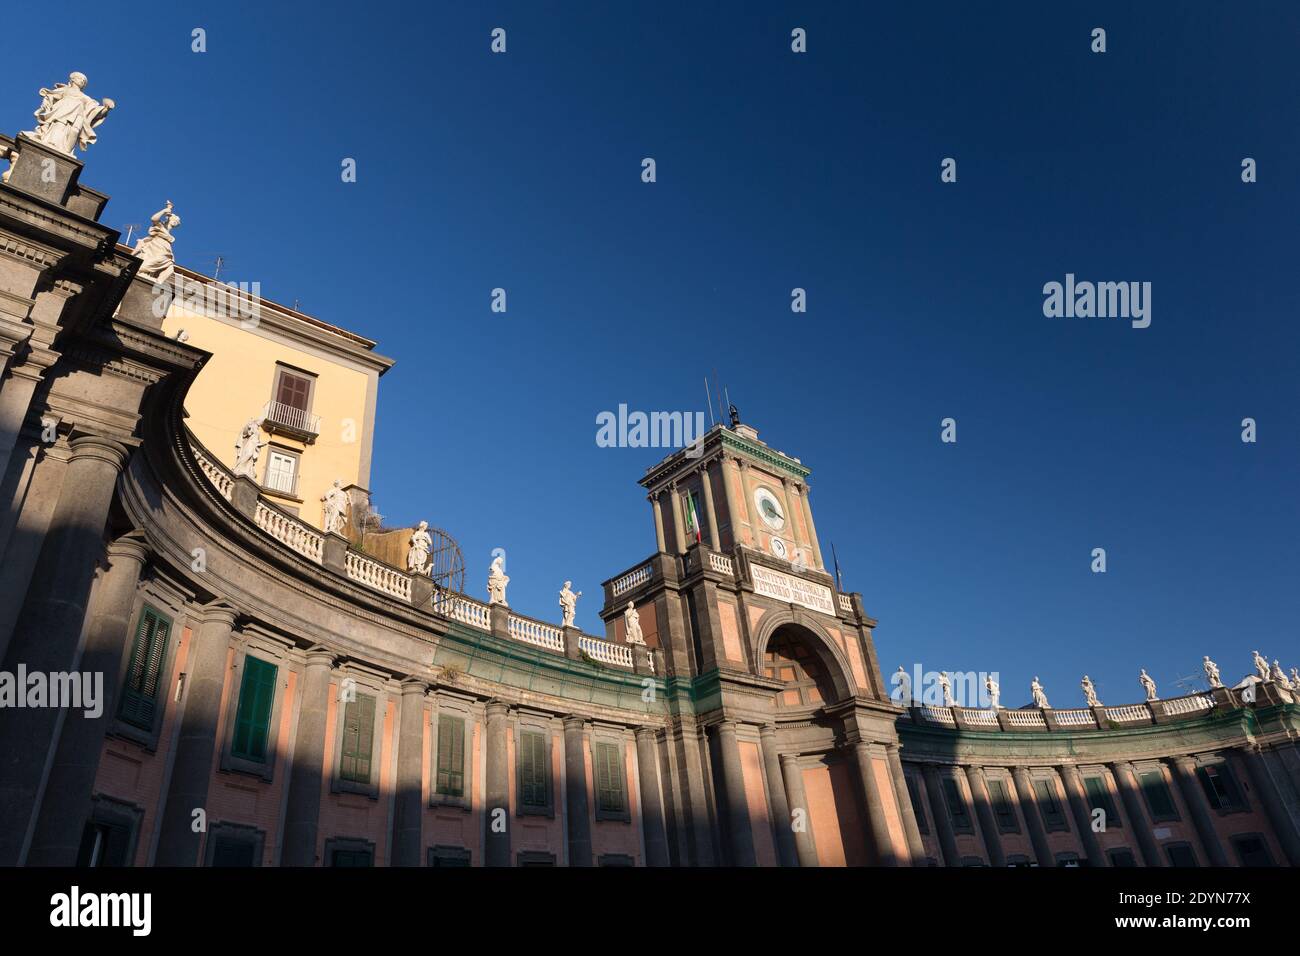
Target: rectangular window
1049,805
1159,799
232,851
534,767
1099,799
448,856
961,822
918,807
358,739
104,844
253,716
351,858
1220,787
143,673
609,779
1180,854
1122,858
293,390
1252,850
451,755
1003,810
282,471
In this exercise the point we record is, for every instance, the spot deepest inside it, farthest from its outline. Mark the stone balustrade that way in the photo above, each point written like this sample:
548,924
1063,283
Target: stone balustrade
457,607
846,603
1075,718
607,652
1026,718
221,479
1188,705
529,631
1129,714
289,531
938,715
634,578
977,718
721,563
378,575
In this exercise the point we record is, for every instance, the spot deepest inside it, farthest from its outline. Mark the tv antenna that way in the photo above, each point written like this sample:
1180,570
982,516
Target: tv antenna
131,227
1191,683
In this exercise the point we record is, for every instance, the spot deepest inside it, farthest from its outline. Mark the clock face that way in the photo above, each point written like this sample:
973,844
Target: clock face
778,547
769,509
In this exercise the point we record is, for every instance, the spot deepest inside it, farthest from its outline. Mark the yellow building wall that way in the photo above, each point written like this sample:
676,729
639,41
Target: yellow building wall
237,383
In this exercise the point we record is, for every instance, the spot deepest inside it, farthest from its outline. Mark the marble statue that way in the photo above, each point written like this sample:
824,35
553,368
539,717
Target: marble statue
1278,675
994,689
497,581
1148,685
1212,672
632,625
904,683
1040,698
1261,665
1089,691
155,248
417,557
336,508
945,685
569,603
247,449
1295,678
67,117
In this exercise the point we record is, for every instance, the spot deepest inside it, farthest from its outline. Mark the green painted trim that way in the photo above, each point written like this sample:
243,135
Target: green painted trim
731,440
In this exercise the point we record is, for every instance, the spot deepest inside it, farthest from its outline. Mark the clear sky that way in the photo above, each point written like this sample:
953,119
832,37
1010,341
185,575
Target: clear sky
775,171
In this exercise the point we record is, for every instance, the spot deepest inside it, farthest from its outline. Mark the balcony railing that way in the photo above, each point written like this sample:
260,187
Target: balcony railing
277,416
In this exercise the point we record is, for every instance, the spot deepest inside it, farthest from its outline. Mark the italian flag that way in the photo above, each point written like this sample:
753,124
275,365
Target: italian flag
692,519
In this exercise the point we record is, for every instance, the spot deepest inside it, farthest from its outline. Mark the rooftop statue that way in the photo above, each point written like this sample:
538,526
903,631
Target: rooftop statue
1261,665
569,603
1148,685
155,248
247,449
632,624
1089,691
945,685
1212,672
336,508
904,686
1040,697
497,581
995,691
67,117
417,557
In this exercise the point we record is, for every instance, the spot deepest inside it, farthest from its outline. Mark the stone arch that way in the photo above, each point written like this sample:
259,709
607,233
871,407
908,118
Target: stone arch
832,659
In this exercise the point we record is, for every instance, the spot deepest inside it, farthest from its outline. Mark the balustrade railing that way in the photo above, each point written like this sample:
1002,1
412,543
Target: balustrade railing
938,715
1025,718
720,563
1075,718
846,603
221,479
979,718
278,413
379,576
1188,705
535,632
607,652
1128,714
634,578
289,531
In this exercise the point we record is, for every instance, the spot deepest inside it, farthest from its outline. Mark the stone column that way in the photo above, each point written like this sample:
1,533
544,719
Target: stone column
48,629
652,808
302,806
873,805
904,800
679,521
939,812
1283,826
1137,818
408,803
739,829
812,530
1185,773
984,813
576,813
496,787
715,540
726,463
178,843
71,782
1029,810
805,845
790,525
658,510
786,852
1074,792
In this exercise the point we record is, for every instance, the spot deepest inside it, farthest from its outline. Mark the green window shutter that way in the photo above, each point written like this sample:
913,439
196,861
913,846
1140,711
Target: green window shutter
609,778
143,672
1157,794
956,805
253,715
451,755
532,769
358,739
918,805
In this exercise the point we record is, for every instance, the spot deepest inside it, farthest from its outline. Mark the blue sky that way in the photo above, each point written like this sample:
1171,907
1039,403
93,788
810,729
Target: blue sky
777,170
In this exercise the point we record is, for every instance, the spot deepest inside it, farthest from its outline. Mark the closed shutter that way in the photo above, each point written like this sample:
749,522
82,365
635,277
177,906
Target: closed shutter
253,716
451,755
532,769
609,778
1157,794
143,672
358,739
294,391
1099,799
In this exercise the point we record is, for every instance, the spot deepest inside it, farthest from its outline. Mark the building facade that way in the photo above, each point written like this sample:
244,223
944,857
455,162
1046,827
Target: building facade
274,695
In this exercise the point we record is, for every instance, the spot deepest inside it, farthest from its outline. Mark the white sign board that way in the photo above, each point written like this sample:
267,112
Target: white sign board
791,590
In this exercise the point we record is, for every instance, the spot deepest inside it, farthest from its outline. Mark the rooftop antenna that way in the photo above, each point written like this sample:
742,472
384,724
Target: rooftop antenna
722,412
1191,683
839,581
708,400
131,227
221,261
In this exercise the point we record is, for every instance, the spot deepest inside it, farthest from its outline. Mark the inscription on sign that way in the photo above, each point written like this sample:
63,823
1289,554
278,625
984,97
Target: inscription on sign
792,590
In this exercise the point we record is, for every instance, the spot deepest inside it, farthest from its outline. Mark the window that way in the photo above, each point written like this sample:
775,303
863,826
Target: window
918,807
1098,795
451,755
445,856
1220,787
961,822
972,861
615,859
294,390
1003,810
1180,854
1122,858
789,659
144,671
1252,850
1159,800
611,799
1049,805
536,858
282,471
109,838
1019,860
351,858
231,844
534,771
358,739
1068,859
253,717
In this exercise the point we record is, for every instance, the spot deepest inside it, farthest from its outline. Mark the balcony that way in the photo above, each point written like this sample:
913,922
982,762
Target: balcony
281,419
